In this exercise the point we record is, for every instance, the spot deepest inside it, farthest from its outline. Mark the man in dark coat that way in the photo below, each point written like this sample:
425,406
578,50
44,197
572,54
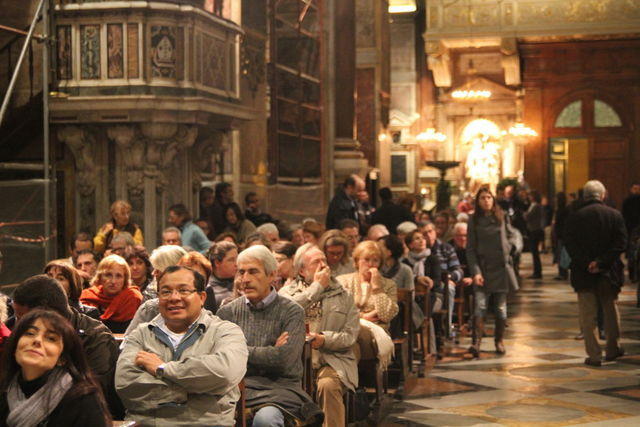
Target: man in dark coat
595,236
344,205
389,213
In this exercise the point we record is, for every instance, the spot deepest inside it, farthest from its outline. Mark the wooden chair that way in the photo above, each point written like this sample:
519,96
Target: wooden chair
241,407
403,342
308,377
423,333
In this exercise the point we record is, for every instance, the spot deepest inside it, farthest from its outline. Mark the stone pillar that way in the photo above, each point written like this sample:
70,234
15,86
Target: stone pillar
348,158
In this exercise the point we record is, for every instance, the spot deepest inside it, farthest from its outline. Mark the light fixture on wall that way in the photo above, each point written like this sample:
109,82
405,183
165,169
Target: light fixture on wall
520,130
430,135
467,92
402,6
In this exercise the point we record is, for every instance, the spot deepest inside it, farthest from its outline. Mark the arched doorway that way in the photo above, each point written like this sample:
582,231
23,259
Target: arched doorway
588,139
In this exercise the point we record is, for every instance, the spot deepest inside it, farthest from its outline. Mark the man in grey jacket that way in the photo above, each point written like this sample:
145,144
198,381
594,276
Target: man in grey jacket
332,318
183,367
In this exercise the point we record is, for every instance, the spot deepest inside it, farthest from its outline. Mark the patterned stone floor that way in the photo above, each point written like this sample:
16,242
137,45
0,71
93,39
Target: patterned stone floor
541,381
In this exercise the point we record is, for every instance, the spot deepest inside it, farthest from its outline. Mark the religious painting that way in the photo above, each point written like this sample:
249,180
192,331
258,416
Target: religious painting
64,52
115,56
133,63
90,51
163,52
214,69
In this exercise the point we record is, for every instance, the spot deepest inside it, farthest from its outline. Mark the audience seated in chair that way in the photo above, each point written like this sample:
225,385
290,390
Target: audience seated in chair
183,367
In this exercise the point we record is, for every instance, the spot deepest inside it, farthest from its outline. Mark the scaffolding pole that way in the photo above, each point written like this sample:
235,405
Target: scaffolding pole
14,77
48,211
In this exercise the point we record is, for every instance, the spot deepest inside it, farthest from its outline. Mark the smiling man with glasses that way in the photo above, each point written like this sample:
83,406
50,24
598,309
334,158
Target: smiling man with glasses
183,367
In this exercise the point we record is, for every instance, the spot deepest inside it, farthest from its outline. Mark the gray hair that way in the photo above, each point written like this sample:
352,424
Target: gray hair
268,228
219,250
165,256
406,227
459,226
593,189
263,255
377,228
125,237
299,256
174,229
462,217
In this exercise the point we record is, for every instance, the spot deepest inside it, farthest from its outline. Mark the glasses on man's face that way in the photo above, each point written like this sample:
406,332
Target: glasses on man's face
168,293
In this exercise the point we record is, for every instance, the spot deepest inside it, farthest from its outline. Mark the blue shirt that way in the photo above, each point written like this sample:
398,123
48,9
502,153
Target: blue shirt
194,237
265,302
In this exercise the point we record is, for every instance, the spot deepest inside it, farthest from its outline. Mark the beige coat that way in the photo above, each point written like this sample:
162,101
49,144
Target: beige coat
200,383
385,303
339,325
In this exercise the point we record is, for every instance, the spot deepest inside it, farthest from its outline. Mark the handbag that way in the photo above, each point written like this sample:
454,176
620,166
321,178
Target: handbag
565,259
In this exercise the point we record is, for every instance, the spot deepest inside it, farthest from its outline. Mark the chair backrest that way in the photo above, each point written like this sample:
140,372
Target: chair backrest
241,407
405,297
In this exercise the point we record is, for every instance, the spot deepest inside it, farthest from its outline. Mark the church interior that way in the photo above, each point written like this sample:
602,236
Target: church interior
150,101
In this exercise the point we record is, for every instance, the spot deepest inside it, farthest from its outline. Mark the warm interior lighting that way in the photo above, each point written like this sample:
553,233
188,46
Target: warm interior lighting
402,6
520,130
430,135
471,95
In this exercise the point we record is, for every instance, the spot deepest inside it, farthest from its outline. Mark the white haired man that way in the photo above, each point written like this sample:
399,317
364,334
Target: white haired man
595,236
332,318
275,334
269,231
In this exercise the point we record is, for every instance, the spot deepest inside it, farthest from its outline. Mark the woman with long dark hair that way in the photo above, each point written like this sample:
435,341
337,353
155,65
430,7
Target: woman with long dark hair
72,283
237,224
45,378
141,271
489,255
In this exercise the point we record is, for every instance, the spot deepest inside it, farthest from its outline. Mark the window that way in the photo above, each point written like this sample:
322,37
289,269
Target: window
605,116
571,116
296,114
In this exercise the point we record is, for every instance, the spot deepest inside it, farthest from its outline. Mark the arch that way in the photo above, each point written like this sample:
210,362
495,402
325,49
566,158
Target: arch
482,127
570,116
604,115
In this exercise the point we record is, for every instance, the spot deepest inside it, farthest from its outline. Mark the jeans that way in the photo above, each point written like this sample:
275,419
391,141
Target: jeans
268,416
499,303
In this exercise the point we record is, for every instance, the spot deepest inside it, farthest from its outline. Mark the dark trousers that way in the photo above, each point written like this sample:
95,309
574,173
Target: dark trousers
535,237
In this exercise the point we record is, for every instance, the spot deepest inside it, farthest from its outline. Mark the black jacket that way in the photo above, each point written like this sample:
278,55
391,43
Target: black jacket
595,232
341,207
631,212
391,215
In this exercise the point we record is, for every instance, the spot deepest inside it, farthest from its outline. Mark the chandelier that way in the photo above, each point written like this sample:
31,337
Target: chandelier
520,130
430,135
466,93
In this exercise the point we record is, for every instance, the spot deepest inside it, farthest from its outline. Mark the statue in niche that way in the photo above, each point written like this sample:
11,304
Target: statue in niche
163,52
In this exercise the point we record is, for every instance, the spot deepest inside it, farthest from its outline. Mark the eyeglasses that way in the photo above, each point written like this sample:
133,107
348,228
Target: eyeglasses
168,293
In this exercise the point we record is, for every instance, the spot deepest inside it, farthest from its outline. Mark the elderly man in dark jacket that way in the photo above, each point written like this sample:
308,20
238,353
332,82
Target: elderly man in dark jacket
595,236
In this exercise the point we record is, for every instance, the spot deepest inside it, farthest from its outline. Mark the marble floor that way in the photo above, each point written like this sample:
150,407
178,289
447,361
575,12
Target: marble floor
541,381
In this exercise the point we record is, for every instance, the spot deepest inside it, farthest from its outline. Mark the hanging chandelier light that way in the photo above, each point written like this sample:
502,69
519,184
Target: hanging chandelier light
467,92
520,130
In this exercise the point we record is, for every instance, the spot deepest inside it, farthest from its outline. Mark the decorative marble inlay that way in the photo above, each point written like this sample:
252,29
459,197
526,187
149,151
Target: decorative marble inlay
115,49
90,51
571,116
163,51
214,62
133,62
605,115
64,52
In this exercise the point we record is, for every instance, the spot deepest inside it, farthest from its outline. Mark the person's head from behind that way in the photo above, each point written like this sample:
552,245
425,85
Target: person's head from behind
164,257
415,241
352,230
178,215
307,261
223,257
594,190
284,252
385,194
113,275
534,196
269,231
121,244
251,202
257,268
181,296
39,291
635,188
120,213
79,242
140,265
335,246
377,232
172,236
87,262
42,341
68,277
198,262
204,225
460,235
392,248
